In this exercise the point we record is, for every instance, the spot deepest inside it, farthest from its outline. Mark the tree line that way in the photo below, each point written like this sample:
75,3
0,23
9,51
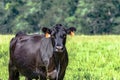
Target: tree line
88,16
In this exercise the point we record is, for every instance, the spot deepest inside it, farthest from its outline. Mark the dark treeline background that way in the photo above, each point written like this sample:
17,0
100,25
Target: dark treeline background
88,16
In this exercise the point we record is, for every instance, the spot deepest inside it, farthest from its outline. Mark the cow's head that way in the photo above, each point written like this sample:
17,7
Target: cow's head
58,36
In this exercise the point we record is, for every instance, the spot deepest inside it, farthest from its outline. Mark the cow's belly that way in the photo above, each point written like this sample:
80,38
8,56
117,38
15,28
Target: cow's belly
29,73
27,69
27,66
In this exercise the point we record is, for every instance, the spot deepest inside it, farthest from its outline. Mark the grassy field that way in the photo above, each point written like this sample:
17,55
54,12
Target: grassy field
90,57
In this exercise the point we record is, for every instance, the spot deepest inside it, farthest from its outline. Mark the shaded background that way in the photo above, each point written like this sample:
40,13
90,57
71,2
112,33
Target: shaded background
88,16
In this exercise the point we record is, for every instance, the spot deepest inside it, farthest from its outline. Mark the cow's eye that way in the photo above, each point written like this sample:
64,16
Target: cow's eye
52,36
64,36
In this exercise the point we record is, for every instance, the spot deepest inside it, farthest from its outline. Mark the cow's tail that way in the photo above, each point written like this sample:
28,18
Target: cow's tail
12,45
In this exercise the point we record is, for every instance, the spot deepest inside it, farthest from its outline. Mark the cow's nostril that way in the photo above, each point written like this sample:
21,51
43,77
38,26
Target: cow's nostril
59,47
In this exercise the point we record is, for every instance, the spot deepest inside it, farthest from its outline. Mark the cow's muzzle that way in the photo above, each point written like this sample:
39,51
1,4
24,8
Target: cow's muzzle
58,49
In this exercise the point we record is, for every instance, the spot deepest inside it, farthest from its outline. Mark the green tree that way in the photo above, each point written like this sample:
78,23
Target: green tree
88,16
58,12
78,18
22,15
30,16
101,18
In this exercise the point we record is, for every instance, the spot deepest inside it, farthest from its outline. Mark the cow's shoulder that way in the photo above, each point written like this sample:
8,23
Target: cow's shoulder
37,37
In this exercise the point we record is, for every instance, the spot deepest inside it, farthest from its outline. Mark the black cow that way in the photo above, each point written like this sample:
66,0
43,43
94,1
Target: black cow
38,57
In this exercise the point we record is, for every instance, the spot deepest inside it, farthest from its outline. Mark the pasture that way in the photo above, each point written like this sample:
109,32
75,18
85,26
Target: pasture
90,57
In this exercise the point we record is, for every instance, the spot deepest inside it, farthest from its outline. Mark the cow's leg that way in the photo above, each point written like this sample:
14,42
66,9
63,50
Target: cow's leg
52,79
62,72
63,67
13,73
61,77
43,75
28,78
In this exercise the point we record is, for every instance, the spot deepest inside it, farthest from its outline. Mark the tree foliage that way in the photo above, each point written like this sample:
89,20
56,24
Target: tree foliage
102,17
88,16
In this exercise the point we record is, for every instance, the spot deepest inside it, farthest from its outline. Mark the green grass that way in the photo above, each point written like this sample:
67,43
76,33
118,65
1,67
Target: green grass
4,52
90,57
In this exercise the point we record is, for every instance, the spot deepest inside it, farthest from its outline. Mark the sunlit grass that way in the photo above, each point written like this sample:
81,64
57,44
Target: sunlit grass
4,52
94,58
90,57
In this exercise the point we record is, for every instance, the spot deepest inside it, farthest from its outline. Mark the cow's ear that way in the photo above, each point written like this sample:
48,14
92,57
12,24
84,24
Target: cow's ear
46,31
71,31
